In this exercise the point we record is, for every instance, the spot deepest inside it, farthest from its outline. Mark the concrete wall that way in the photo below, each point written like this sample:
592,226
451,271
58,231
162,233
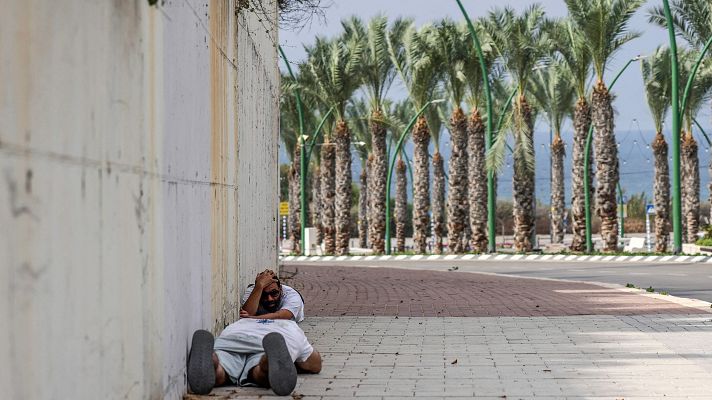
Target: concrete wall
138,188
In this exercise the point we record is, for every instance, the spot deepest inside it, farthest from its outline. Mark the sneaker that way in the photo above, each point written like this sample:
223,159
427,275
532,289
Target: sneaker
201,372
282,373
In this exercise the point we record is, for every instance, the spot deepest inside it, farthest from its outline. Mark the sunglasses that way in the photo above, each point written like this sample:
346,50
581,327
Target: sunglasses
273,293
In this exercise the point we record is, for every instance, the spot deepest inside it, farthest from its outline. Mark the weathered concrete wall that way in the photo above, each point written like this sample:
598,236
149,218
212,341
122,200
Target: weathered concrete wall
138,188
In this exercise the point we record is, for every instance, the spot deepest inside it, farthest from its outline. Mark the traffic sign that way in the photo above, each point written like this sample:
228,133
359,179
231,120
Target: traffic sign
650,209
284,208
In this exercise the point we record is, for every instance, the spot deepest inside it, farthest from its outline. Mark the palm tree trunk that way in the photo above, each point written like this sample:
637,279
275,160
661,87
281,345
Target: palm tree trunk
316,205
294,203
582,123
558,202
691,187
457,193
607,168
477,181
363,208
421,185
343,188
377,184
328,194
467,230
401,206
523,180
661,198
438,201
293,216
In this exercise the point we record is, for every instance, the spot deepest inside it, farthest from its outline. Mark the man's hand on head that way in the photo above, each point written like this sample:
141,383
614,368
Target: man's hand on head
264,279
244,314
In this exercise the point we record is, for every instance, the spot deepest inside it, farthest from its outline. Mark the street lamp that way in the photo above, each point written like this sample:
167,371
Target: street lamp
390,170
677,110
587,154
302,159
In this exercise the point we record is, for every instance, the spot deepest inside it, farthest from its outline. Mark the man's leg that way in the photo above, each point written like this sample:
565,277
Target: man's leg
311,365
220,374
259,374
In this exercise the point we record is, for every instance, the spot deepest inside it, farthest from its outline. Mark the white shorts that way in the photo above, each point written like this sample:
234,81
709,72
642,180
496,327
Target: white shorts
239,346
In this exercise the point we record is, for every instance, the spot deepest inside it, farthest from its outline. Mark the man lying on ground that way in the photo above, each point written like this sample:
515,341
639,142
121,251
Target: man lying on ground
269,299
251,352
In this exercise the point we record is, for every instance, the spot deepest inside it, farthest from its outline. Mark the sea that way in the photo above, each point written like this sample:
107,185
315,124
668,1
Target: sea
634,153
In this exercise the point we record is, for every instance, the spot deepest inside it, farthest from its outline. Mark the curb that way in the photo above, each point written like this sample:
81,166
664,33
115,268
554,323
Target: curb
508,257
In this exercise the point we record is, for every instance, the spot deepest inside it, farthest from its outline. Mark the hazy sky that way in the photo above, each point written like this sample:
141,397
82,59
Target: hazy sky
630,102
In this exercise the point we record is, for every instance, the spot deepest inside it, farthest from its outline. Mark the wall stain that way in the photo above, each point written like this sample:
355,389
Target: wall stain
16,209
219,73
28,181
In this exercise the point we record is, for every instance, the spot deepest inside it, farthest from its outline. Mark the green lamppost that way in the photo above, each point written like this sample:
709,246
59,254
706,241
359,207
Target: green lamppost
302,156
678,110
399,144
587,154
491,201
676,191
305,153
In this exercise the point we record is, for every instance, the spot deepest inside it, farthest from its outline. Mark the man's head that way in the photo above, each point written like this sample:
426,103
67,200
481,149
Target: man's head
271,296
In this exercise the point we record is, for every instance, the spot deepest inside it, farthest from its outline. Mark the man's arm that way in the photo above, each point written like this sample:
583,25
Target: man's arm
262,280
281,314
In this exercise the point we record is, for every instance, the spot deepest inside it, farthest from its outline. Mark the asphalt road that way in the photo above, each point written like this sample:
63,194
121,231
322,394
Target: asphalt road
679,279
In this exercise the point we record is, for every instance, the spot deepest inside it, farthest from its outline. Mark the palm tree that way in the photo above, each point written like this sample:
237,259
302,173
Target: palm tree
377,74
554,91
476,165
571,45
435,122
315,208
692,20
358,115
401,206
289,133
397,116
521,43
454,49
690,161
605,25
334,66
416,62
658,91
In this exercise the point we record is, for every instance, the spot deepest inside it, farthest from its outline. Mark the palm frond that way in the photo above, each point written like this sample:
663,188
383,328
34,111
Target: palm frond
658,89
692,20
701,89
417,62
333,66
553,90
358,113
605,23
572,46
519,40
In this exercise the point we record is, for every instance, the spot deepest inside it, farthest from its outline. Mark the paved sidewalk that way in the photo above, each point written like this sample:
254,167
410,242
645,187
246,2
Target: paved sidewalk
468,335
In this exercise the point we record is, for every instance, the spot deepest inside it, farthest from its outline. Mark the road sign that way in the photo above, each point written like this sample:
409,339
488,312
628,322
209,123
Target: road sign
650,209
625,211
284,208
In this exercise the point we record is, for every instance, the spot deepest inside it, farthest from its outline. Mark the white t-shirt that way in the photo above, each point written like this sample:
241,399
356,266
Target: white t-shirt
247,333
290,301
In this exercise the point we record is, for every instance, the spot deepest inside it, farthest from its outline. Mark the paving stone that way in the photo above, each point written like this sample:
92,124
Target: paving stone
582,342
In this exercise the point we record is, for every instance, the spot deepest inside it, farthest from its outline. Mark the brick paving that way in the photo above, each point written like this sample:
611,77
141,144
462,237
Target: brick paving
357,291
